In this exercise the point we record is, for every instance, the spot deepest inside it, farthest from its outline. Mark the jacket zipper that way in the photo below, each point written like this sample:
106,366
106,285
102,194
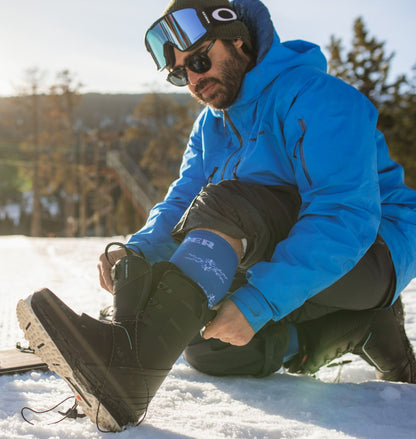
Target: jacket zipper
240,139
299,145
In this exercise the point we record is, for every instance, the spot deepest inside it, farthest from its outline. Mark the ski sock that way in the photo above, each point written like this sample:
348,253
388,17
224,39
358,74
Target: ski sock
293,347
208,260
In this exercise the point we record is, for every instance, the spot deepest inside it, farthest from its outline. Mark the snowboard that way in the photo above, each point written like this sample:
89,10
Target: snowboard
20,360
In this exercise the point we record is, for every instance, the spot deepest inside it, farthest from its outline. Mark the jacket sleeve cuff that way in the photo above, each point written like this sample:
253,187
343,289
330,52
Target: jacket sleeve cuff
255,308
152,252
135,248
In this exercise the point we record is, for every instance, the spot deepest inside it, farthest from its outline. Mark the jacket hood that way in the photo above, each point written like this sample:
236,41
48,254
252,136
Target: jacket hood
272,56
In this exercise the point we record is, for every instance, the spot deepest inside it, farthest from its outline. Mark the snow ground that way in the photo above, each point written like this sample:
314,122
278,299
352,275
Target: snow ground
189,404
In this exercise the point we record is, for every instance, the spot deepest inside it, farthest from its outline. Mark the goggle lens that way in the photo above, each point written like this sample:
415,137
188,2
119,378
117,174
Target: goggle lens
181,28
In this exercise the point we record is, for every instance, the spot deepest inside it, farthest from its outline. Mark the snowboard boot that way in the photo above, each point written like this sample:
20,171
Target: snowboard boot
115,368
377,336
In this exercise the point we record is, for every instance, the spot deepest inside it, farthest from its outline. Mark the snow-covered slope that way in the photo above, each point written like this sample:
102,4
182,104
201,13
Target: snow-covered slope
190,404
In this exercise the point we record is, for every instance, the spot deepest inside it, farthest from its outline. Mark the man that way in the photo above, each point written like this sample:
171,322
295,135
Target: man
288,236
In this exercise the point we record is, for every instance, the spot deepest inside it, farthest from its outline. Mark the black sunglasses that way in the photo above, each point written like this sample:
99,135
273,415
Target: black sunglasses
198,62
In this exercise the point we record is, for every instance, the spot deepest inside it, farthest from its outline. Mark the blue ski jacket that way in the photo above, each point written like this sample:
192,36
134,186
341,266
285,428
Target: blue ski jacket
293,124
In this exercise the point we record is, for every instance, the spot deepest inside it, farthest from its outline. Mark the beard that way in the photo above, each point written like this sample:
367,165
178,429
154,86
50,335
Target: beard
228,83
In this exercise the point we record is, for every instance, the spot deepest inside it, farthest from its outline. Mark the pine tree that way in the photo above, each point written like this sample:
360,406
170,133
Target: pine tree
399,127
48,142
31,89
161,132
61,136
366,66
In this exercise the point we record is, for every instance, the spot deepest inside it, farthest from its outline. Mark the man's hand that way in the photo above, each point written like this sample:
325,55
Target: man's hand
229,325
104,267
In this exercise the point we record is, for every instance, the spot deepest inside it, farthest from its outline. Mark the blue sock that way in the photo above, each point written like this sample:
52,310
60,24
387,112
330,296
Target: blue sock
208,260
293,347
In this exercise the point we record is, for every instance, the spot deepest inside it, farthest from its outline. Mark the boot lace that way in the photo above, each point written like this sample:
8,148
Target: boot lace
101,391
340,365
71,413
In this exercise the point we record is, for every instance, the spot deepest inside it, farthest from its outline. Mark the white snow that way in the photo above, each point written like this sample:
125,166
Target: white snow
189,404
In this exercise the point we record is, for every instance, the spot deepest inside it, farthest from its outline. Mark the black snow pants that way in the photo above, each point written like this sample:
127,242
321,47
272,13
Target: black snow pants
263,216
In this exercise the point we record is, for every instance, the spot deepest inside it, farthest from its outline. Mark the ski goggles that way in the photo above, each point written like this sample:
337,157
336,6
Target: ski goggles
183,29
198,62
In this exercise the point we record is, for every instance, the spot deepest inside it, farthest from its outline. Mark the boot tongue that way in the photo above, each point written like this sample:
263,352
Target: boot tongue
160,268
132,286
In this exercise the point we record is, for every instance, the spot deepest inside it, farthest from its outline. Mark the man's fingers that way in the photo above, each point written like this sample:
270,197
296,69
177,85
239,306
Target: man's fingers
105,279
104,268
207,332
229,326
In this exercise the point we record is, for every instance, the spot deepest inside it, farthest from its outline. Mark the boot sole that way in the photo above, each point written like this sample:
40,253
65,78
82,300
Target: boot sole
49,353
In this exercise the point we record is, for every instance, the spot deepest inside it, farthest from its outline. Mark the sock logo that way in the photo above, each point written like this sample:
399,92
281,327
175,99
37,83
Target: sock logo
209,260
200,241
209,265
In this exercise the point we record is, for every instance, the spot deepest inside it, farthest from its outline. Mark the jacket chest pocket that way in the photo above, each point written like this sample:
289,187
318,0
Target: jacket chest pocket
298,150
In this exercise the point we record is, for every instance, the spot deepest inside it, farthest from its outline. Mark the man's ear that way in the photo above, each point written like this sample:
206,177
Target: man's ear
238,43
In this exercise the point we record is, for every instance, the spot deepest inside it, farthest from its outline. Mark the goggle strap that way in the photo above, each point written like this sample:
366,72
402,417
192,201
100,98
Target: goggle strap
168,54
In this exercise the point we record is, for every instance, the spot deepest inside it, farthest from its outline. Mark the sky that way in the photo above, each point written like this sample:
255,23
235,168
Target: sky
101,41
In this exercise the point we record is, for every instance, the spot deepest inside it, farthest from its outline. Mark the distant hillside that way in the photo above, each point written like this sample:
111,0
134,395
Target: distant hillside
112,109
94,110
97,109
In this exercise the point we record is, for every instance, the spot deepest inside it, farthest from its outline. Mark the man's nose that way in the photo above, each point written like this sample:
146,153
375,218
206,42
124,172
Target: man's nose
193,77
